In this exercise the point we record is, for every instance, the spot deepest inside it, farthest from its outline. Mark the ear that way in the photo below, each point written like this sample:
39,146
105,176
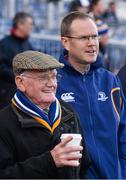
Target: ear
20,83
65,42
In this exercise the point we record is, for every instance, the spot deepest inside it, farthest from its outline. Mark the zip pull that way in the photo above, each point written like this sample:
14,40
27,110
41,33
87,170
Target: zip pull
84,78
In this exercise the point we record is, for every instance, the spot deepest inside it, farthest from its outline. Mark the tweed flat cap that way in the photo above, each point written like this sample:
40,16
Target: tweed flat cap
34,60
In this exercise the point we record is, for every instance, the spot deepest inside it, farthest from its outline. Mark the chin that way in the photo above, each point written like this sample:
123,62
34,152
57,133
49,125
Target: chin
92,60
51,99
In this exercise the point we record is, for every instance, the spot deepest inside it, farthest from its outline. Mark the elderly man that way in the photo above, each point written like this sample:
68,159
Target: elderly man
31,126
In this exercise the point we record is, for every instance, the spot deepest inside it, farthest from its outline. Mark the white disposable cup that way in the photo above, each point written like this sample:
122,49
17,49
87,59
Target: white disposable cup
75,141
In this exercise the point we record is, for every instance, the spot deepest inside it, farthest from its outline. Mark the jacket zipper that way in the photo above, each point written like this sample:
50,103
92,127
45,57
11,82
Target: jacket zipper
91,118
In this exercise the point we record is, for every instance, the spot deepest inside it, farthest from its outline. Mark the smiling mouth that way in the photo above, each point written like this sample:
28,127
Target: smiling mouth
91,51
49,91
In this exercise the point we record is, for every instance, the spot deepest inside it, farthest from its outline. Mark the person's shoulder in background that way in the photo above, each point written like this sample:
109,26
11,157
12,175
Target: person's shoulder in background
122,76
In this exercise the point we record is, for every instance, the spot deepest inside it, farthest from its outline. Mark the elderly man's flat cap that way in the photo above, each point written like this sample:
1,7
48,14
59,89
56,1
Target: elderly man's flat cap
34,60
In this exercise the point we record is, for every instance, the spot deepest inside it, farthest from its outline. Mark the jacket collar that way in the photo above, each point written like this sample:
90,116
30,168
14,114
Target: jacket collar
24,119
63,59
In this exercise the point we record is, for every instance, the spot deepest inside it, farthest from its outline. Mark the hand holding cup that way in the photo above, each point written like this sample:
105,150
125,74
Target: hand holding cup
68,151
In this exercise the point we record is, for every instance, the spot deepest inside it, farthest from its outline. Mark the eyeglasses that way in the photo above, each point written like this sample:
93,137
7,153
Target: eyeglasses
45,79
94,37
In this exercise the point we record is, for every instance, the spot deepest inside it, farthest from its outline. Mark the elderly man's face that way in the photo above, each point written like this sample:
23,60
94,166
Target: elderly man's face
39,87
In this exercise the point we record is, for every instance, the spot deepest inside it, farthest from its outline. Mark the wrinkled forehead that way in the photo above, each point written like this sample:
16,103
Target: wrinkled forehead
84,26
40,72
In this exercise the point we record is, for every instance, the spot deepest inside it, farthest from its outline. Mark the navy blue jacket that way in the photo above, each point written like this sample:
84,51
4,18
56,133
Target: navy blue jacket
10,46
98,99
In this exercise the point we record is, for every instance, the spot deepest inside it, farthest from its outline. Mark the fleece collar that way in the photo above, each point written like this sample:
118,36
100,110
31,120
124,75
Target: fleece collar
95,65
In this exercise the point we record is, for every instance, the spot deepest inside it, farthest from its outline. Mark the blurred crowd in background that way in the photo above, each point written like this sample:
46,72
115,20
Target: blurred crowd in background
47,16
87,51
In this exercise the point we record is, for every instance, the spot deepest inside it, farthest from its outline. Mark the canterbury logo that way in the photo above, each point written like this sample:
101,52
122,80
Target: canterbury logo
102,96
68,97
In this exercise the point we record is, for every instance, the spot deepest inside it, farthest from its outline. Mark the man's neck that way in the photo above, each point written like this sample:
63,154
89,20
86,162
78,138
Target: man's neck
44,106
18,34
44,109
82,68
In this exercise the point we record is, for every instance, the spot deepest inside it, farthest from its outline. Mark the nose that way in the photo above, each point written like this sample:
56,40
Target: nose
91,40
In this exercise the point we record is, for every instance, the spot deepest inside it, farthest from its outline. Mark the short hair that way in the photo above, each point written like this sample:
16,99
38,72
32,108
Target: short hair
94,3
112,3
75,4
20,17
68,19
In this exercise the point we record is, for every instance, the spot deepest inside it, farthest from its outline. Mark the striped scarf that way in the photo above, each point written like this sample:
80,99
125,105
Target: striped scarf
50,121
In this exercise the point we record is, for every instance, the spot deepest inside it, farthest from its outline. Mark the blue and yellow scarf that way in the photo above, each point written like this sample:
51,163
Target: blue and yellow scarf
50,121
